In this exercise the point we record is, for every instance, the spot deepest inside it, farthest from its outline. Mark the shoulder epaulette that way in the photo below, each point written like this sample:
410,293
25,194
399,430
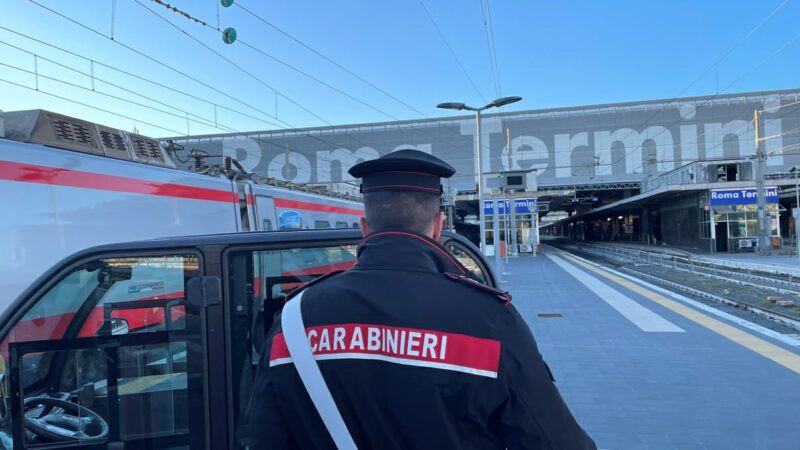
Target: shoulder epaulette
296,291
501,295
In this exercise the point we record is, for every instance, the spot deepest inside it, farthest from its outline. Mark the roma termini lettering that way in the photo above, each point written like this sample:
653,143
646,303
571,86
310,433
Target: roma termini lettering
591,144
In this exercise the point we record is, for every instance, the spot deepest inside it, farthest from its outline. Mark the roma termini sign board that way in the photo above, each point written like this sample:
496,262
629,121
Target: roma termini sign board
741,196
591,144
522,206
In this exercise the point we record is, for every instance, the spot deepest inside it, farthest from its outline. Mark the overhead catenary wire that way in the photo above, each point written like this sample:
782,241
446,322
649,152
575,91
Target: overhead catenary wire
734,47
152,59
753,69
94,62
245,71
328,143
488,29
184,114
489,34
328,59
345,69
256,78
204,121
204,23
452,52
114,97
760,24
312,77
124,116
134,119
271,57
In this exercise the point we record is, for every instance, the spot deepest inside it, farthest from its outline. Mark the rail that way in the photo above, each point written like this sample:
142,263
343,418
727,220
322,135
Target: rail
627,255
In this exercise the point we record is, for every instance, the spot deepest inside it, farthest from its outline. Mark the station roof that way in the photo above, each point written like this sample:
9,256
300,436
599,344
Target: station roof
666,191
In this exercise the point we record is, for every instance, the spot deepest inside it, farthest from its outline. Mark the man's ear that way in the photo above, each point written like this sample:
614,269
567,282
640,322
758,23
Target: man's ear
363,226
438,226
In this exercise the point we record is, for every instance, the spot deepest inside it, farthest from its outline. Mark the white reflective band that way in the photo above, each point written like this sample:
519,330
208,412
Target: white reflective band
294,332
404,361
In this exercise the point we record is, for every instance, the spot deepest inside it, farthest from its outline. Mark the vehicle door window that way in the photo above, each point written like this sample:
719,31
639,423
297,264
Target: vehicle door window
258,283
102,357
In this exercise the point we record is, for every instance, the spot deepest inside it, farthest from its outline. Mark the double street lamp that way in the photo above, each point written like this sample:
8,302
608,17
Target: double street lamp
462,107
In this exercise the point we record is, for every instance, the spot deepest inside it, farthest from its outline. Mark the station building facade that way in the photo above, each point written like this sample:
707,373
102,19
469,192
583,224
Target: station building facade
653,163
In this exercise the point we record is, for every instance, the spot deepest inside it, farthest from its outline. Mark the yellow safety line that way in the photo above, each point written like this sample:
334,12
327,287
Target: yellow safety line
141,384
766,349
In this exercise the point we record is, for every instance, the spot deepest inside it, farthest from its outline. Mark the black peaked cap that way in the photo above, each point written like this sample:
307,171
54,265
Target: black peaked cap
403,170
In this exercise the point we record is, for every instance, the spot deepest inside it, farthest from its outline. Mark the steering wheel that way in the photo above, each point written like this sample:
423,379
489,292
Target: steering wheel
60,421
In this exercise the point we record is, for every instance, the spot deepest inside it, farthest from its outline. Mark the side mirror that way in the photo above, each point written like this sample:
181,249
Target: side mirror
459,253
119,326
470,257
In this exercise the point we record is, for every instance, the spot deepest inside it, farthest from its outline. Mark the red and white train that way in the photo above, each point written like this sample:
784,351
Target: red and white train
67,184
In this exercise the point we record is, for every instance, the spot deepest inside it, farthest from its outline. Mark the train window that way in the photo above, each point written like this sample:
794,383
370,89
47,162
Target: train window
102,357
341,224
355,224
321,224
266,225
258,283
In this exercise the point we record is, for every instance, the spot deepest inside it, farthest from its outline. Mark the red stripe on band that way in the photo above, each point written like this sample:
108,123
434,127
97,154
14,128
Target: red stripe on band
412,346
29,173
308,206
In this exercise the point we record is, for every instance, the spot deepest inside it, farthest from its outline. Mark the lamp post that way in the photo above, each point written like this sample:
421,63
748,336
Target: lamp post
462,107
796,210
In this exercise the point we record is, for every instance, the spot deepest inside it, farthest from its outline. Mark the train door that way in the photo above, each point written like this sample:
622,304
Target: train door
247,208
106,354
265,212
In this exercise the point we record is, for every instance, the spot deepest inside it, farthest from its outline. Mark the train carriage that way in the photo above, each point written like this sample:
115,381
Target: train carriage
67,184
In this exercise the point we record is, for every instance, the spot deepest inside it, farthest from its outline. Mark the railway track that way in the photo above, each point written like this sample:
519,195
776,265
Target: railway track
749,291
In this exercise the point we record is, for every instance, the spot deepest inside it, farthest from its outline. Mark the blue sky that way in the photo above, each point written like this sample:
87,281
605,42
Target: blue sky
551,53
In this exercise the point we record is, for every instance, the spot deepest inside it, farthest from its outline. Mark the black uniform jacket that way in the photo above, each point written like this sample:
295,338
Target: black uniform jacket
416,357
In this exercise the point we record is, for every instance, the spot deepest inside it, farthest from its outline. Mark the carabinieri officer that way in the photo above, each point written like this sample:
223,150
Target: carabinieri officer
415,353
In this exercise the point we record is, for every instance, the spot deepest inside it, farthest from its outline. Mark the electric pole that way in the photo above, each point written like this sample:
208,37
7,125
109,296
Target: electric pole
763,217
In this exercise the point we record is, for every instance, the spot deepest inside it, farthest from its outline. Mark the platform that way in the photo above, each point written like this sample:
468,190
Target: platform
779,264
644,370
772,263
